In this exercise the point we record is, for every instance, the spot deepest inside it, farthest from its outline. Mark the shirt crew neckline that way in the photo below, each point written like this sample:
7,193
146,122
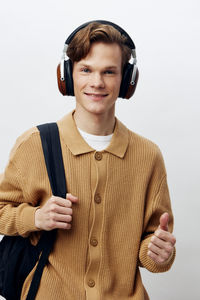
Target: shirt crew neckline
96,138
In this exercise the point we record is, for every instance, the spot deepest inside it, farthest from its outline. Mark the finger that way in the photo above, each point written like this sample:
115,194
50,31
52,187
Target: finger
168,246
61,202
61,209
155,257
71,198
62,225
162,255
161,243
165,236
52,224
164,219
155,249
61,218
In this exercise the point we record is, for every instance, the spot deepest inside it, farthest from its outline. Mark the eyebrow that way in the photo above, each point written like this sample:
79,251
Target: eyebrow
89,66
111,67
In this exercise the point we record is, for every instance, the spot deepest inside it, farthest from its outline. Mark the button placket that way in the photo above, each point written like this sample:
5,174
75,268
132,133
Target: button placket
99,169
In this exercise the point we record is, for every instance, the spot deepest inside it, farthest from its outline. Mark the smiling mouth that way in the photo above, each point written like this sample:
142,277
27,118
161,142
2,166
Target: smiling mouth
96,96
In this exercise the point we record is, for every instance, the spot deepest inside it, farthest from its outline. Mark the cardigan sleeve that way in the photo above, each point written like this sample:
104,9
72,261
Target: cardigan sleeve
157,202
16,216
18,201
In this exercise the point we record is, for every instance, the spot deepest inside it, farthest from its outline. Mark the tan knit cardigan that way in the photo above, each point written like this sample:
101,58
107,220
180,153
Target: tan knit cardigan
122,193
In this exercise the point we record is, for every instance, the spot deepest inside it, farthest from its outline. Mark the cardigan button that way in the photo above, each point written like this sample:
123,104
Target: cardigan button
91,283
93,242
97,198
98,155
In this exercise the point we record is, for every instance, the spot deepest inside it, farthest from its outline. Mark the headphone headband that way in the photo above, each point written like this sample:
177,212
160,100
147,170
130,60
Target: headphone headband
129,41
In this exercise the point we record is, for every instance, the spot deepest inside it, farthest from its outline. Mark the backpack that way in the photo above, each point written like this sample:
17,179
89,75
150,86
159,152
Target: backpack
17,255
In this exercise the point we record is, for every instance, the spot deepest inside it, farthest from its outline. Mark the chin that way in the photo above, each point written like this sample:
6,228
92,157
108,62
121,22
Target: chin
98,109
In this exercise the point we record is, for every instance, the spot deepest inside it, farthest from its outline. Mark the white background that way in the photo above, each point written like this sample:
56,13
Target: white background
165,107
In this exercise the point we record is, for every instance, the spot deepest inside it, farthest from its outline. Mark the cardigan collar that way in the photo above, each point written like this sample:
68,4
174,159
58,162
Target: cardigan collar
77,145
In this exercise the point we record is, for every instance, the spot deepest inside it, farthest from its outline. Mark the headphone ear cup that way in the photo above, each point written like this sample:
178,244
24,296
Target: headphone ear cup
132,87
68,77
66,87
127,89
61,83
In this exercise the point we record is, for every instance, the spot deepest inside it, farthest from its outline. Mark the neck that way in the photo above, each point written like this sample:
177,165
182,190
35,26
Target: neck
97,124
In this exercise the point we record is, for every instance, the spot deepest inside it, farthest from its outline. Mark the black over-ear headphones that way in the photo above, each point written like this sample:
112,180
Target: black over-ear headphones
130,72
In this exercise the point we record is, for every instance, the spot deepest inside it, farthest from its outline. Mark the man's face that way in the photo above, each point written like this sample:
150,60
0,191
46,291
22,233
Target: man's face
97,78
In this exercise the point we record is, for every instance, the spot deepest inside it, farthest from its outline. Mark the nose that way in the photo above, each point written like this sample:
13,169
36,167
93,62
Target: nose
97,80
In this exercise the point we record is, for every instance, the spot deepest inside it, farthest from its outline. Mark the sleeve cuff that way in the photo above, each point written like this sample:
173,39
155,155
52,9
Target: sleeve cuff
26,223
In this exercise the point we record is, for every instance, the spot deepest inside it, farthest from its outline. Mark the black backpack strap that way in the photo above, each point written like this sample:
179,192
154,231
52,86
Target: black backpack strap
53,157
54,163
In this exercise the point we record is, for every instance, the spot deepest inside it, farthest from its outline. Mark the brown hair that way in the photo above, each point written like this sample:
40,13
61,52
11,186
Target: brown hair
81,43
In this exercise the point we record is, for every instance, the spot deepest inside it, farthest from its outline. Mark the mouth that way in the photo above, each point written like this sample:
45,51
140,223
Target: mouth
96,96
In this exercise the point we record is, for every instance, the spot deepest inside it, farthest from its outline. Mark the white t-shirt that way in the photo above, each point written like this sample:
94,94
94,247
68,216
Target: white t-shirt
97,142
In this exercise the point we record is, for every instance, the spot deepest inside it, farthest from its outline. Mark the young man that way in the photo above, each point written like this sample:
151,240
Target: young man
117,187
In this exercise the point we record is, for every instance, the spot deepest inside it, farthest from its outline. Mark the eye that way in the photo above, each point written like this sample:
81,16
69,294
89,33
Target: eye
109,72
85,70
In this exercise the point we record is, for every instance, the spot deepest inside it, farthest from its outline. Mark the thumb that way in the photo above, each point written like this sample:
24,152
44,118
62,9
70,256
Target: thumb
71,197
164,219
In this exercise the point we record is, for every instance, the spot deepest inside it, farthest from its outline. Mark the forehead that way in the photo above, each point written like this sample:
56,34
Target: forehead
104,54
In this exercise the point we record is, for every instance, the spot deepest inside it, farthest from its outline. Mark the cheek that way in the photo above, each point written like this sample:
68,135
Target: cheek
116,85
78,84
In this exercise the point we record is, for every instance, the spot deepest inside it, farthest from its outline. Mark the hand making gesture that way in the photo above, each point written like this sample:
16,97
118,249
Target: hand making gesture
162,242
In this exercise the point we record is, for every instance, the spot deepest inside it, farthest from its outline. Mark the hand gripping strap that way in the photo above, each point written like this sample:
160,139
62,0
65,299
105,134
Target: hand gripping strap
54,163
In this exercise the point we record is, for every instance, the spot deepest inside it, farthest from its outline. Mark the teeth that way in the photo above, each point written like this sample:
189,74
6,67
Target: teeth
96,95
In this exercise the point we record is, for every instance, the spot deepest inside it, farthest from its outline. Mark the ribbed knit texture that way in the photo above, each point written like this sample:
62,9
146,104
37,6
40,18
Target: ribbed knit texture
122,193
